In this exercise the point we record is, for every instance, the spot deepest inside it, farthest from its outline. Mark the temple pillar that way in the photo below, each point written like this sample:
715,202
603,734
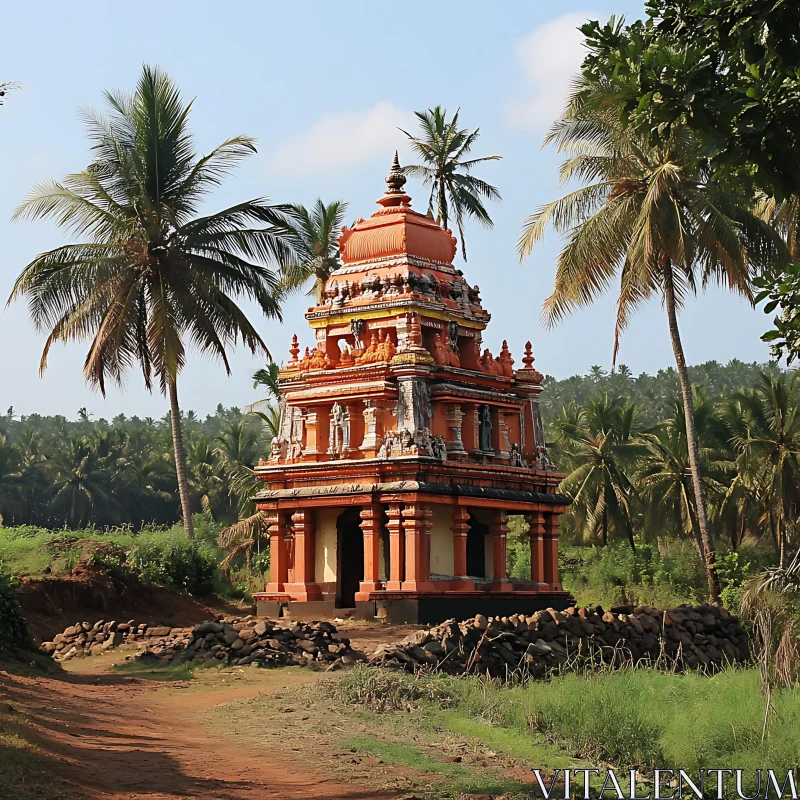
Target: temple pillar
278,556
453,443
498,528
371,526
310,421
397,549
469,428
304,586
417,526
371,443
536,535
460,528
551,532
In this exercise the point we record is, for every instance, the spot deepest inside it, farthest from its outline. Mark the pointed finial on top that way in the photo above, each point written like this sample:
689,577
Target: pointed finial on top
395,180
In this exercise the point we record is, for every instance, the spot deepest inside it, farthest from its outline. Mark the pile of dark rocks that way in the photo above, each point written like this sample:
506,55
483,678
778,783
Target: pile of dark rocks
702,637
91,639
239,642
224,641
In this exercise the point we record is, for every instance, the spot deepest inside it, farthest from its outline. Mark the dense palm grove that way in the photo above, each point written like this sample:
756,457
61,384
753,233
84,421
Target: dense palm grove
620,439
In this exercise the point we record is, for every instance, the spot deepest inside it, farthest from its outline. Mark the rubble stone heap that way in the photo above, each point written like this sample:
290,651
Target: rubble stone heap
228,641
681,638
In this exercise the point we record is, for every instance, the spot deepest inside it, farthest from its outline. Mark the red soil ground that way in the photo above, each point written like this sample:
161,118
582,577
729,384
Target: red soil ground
112,737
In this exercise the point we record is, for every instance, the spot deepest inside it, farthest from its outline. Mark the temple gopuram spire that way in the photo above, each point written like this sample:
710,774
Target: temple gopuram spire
404,443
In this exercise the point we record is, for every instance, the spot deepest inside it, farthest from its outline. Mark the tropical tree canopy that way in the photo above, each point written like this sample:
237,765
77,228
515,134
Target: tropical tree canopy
653,217
314,237
456,194
151,275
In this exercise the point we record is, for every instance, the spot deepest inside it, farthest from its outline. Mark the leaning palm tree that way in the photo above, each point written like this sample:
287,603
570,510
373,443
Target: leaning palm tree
313,235
151,276
455,192
653,216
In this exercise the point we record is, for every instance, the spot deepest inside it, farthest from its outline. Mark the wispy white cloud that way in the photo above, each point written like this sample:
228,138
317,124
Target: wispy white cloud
339,141
550,56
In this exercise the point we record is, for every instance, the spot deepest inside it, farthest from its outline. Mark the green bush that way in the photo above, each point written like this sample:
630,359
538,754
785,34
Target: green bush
616,575
14,634
171,560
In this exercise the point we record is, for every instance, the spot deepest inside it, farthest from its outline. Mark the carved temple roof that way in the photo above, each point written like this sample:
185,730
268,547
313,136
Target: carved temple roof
396,229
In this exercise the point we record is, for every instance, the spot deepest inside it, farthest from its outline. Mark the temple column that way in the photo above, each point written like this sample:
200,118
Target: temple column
371,526
536,534
371,443
304,586
498,528
397,550
469,428
278,557
417,526
310,420
460,528
551,532
454,444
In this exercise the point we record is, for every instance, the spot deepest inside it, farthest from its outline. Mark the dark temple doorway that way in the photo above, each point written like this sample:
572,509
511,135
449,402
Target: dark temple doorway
349,557
476,548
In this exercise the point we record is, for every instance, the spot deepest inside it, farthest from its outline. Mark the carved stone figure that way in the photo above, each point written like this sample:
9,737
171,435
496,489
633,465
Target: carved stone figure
339,439
516,456
438,448
278,449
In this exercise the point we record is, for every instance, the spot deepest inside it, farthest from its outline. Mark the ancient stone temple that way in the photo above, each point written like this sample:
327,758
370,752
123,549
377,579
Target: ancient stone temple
404,445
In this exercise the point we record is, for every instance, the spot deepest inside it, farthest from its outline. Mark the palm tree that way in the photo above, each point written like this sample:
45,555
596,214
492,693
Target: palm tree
768,439
455,192
314,237
10,478
785,218
268,410
653,216
664,473
152,277
80,488
599,442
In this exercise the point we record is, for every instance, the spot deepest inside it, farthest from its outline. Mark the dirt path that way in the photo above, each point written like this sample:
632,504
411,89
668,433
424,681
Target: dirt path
116,737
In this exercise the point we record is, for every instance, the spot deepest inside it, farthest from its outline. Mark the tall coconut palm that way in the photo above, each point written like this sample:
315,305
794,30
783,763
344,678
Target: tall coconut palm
769,442
598,440
151,276
652,217
664,473
314,237
456,194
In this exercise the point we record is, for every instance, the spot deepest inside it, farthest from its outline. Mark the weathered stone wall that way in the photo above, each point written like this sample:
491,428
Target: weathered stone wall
681,638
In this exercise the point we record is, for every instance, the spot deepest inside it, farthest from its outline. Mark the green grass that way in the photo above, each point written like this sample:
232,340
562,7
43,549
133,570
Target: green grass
160,672
623,717
453,778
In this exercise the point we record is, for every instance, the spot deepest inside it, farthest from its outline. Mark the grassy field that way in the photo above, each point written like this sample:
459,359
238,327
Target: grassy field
448,737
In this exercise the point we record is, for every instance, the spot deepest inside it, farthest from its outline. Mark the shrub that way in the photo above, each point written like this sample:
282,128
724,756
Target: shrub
14,634
171,560
381,690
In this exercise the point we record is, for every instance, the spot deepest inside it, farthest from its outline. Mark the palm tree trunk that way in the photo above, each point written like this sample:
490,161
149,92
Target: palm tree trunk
443,204
781,542
605,528
180,459
691,436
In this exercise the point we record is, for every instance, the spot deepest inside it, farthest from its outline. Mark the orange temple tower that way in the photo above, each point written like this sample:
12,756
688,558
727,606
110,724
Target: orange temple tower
402,447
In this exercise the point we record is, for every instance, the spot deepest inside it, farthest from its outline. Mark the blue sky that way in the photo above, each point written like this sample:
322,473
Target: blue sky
323,86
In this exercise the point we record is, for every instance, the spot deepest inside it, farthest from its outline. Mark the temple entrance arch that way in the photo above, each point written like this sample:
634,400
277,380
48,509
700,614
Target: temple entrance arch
476,547
349,557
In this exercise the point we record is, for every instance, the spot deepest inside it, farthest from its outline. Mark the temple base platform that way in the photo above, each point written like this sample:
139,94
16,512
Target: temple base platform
421,608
